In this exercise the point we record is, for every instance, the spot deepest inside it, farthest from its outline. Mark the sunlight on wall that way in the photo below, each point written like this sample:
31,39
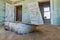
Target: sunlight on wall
47,12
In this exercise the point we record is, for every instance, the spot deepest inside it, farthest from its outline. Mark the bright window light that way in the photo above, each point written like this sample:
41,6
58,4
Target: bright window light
46,13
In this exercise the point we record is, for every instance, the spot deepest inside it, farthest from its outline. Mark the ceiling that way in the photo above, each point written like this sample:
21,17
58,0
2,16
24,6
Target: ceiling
43,0
13,1
16,1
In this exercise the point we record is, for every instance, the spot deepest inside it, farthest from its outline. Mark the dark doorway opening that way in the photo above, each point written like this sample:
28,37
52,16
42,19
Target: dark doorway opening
19,13
45,11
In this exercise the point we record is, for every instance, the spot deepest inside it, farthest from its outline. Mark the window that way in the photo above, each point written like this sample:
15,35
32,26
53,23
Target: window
46,13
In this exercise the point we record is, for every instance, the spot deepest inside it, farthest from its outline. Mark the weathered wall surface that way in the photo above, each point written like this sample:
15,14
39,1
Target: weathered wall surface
25,14
31,13
2,12
55,12
9,14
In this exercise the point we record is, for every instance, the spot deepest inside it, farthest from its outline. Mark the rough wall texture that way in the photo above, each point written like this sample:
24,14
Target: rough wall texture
2,12
25,16
55,12
31,13
9,14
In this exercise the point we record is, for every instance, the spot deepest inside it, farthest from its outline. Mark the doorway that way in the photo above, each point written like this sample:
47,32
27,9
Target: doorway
45,11
19,13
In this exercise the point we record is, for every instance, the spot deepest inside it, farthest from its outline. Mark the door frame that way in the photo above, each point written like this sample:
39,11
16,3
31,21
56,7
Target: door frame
43,13
16,12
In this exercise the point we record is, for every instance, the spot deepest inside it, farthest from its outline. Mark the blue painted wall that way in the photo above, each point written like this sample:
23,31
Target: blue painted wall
55,12
31,13
25,15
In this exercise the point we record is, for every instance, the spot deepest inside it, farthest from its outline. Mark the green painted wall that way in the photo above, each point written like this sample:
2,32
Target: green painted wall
55,12
2,12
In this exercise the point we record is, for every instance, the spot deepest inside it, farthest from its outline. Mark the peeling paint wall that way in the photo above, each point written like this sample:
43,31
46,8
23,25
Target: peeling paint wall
9,14
55,12
31,13
2,12
25,14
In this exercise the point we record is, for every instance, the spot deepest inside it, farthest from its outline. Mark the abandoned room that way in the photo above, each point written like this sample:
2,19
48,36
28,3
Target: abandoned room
29,19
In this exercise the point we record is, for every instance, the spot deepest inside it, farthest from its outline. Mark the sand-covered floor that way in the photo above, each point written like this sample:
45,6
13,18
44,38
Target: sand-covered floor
51,33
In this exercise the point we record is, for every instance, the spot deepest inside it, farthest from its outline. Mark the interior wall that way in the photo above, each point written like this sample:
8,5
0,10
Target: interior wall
9,15
55,12
31,13
2,12
25,14
27,11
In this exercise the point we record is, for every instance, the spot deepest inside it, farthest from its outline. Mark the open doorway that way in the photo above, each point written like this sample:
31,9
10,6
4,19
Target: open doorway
19,13
45,11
